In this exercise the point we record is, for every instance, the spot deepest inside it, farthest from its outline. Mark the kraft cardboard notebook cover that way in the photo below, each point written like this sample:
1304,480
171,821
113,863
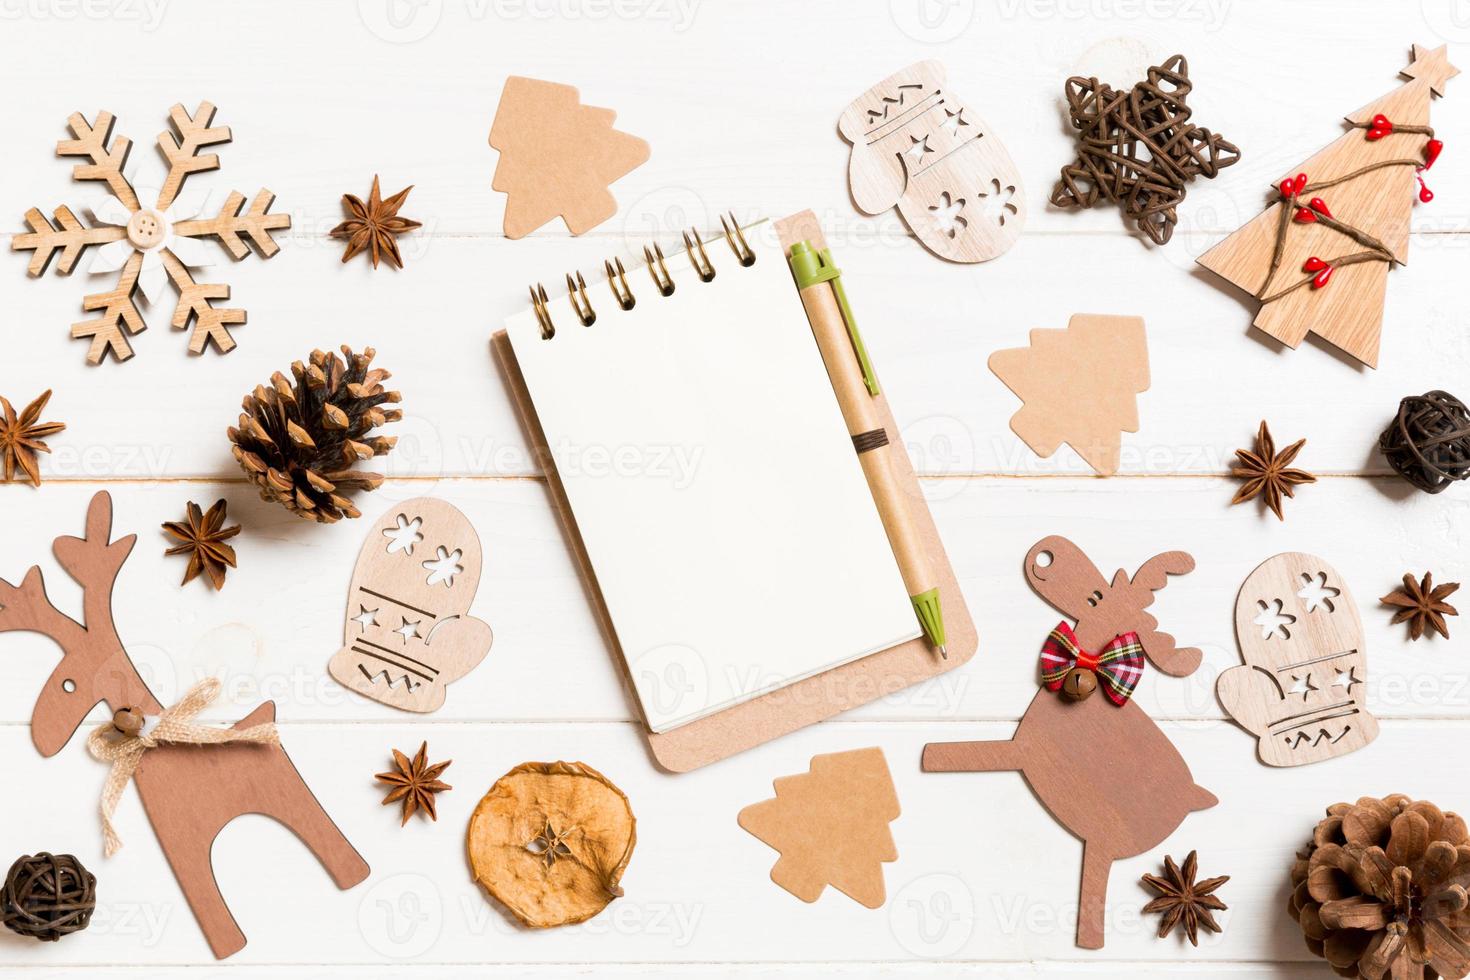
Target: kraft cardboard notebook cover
809,699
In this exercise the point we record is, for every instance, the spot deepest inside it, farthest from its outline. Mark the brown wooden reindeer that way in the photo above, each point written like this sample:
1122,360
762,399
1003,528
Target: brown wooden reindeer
190,792
1102,768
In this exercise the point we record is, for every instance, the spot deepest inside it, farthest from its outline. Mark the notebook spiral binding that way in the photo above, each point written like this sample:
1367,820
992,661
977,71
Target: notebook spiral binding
617,276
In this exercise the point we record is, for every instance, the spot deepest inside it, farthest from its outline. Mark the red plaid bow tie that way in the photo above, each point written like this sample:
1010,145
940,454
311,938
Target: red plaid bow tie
1118,666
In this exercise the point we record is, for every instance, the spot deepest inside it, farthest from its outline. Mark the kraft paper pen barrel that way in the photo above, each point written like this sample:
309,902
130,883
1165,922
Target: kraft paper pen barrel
856,386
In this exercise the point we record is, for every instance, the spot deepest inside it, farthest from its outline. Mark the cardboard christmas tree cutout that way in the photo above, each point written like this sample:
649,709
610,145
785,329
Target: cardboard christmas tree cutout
557,157
1079,385
831,826
1318,259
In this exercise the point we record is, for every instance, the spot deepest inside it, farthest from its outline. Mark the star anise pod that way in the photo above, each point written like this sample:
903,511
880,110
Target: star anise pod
1268,473
1183,900
415,783
1422,604
375,225
202,537
21,435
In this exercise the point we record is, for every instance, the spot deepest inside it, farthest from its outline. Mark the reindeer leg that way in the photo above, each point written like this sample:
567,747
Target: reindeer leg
191,866
997,756
293,804
1093,905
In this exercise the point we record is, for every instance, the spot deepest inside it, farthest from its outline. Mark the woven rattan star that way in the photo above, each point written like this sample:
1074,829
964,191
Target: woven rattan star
1184,900
1138,148
374,226
1269,474
415,783
21,437
1422,605
202,536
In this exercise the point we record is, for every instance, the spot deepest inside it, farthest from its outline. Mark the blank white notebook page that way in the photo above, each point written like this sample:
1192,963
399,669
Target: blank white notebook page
728,522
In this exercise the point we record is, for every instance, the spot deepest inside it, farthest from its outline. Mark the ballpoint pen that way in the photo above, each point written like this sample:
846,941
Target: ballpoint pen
856,386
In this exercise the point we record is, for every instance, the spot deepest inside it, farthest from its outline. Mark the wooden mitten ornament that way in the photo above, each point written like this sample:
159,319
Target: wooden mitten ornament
557,157
1079,385
408,631
1301,690
916,146
1096,761
831,826
1317,260
189,790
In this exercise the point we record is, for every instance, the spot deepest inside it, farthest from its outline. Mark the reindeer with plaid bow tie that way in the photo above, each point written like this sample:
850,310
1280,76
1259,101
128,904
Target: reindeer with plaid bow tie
1088,758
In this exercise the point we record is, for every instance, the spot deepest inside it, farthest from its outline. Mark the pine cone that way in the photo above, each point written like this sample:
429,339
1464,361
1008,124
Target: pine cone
299,445
1380,890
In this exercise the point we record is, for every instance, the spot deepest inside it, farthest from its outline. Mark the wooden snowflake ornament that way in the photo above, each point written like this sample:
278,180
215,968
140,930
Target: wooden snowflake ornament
150,236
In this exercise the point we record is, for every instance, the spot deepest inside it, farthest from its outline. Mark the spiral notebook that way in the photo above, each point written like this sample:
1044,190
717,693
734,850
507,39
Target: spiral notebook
788,569
676,426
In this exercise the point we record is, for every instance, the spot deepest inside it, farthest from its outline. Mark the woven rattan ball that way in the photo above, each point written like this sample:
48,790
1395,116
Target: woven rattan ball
1428,442
48,896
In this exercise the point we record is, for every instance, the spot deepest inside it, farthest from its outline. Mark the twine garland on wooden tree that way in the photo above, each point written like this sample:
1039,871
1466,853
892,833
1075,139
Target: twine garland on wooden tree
122,742
1137,148
47,896
1428,442
1290,191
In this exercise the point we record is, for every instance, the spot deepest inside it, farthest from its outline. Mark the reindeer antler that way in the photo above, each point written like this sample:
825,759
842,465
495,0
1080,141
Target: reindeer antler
93,562
27,610
1153,575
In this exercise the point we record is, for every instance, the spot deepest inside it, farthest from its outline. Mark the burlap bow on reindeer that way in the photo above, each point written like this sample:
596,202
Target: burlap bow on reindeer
111,742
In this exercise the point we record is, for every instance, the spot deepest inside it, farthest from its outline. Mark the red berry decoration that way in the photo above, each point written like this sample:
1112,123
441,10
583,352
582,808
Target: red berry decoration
1380,128
1304,216
1320,206
1292,187
1425,194
1431,152
1322,269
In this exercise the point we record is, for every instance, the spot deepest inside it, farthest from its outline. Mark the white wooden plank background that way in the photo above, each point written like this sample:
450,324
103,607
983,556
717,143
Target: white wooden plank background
739,102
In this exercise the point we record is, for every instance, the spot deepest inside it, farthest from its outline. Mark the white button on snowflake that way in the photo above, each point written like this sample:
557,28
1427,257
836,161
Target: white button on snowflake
150,233
150,236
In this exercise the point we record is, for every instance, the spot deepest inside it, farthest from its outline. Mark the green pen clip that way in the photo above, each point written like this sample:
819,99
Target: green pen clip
812,267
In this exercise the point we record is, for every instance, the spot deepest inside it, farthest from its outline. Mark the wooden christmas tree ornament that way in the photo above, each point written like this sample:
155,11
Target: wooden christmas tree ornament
1317,260
1130,789
189,790
557,157
408,632
1079,386
830,826
149,236
917,146
1379,892
1301,690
